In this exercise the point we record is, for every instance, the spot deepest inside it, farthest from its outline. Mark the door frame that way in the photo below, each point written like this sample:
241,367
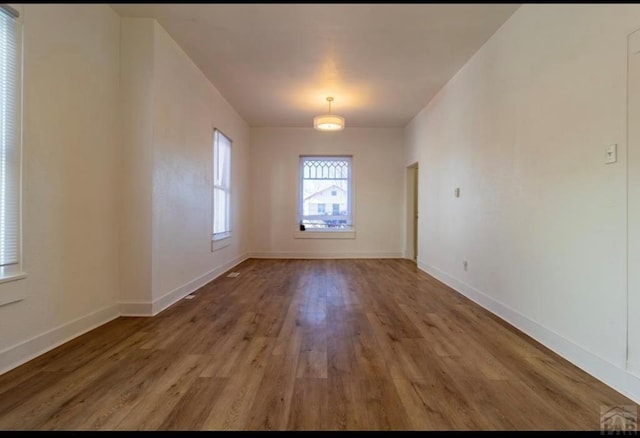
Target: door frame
412,177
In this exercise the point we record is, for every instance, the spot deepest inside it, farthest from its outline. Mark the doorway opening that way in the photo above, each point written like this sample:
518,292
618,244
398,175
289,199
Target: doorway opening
411,242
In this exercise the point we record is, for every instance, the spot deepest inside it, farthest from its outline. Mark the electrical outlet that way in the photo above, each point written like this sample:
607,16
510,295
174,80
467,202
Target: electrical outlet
464,264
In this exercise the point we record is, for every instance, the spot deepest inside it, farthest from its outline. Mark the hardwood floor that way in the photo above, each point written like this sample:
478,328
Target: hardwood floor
307,345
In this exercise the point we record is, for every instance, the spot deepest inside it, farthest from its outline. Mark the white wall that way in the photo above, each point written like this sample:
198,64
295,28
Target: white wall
541,220
186,108
136,113
169,112
378,185
117,171
634,203
70,179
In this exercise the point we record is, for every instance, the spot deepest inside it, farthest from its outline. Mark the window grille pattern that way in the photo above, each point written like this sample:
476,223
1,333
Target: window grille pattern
325,193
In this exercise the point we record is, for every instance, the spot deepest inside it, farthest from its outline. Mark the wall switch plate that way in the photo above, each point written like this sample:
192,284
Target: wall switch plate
457,192
611,154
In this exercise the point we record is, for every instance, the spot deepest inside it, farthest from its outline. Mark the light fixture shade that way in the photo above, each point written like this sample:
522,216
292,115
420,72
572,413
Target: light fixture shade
328,122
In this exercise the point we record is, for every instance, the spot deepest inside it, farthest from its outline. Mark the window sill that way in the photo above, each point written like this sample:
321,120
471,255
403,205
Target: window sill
12,294
13,277
220,242
325,234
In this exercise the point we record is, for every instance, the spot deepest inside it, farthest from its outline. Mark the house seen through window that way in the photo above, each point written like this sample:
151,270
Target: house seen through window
325,193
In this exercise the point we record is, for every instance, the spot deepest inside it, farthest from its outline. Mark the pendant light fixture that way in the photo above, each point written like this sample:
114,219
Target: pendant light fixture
328,122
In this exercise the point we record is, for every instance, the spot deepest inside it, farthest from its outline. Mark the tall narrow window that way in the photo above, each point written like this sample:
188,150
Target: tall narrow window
221,185
325,181
10,141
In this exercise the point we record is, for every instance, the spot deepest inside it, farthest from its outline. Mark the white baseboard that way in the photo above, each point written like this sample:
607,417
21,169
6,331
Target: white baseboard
153,308
25,351
136,309
408,256
613,376
633,368
179,293
325,255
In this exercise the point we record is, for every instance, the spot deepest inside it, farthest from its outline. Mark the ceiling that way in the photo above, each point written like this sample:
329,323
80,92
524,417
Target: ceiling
277,63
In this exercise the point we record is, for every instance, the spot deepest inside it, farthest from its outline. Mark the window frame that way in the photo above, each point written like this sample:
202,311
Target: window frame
325,233
221,239
14,271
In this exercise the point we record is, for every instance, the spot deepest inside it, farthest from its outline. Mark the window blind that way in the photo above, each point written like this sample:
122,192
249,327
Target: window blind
10,136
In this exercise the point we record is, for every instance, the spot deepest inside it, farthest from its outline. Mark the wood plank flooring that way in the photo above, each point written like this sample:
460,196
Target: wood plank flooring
307,345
